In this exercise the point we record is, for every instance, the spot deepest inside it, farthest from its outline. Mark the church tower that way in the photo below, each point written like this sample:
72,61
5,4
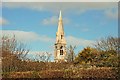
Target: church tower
60,45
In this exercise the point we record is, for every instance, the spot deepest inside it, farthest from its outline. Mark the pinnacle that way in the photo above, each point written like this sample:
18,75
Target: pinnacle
60,15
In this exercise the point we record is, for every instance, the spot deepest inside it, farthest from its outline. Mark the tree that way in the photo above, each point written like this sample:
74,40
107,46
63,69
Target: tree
44,57
87,56
71,53
109,50
13,52
107,44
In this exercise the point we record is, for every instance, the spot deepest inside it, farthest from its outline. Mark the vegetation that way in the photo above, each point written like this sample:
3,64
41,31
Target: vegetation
93,57
13,53
71,53
100,61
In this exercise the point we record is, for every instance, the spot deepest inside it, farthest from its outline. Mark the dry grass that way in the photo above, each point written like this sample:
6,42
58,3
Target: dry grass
104,72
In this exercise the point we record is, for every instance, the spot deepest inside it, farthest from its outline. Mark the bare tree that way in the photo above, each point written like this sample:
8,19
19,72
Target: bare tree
44,56
12,46
107,44
13,52
71,53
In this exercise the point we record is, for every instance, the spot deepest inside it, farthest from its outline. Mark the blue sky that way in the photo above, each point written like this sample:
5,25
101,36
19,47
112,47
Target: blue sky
35,24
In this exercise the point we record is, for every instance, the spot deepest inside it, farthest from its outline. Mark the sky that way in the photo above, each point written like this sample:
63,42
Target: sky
35,23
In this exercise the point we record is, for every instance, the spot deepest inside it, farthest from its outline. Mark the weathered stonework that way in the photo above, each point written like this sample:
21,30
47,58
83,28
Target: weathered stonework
60,45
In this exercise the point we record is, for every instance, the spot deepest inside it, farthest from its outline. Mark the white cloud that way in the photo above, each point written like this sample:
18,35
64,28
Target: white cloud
54,20
65,7
78,41
26,36
112,14
3,21
31,36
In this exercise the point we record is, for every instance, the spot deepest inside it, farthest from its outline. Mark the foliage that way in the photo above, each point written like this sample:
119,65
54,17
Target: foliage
92,57
105,54
86,56
109,49
108,58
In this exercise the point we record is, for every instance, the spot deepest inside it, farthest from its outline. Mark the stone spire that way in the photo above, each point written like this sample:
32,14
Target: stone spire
60,33
60,15
60,45
60,25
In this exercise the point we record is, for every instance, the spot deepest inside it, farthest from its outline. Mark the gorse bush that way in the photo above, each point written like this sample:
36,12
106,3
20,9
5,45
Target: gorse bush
92,57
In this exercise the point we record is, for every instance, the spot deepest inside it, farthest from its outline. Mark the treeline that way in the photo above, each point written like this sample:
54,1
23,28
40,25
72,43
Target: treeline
104,53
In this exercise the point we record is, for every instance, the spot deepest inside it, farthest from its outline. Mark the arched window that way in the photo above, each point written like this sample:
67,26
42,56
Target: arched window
61,52
61,47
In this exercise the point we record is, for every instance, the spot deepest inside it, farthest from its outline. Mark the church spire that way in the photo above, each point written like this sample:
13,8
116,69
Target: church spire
60,44
60,25
60,15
